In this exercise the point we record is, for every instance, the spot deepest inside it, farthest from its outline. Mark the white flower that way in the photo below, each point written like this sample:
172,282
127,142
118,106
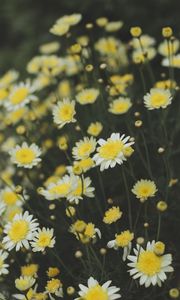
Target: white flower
96,291
84,148
9,197
3,265
149,267
20,95
61,189
25,156
23,283
20,231
43,239
157,98
64,112
175,61
110,151
83,188
122,240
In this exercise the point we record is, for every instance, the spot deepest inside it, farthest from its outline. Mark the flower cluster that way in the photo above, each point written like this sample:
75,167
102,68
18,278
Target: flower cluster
88,161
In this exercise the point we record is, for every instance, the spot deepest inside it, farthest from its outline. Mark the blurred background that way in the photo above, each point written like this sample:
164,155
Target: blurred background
24,25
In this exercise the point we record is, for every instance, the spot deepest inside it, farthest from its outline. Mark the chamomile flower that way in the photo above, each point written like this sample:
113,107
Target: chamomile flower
25,156
94,290
71,20
87,96
95,129
157,98
23,283
43,238
49,48
144,189
84,148
120,106
85,164
167,48
19,231
61,189
29,270
3,265
10,198
146,42
113,26
83,188
64,112
122,240
110,151
112,215
20,95
54,287
149,267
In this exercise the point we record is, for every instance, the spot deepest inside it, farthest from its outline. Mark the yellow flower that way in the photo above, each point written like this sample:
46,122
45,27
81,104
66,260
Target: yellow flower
87,96
95,128
64,89
49,48
53,285
24,283
53,272
64,112
112,215
29,270
167,32
124,238
128,151
136,31
101,22
143,189
78,226
159,248
120,106
157,98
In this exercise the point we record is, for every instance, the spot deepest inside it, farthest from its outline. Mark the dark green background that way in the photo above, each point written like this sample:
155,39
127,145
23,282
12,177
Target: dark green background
24,24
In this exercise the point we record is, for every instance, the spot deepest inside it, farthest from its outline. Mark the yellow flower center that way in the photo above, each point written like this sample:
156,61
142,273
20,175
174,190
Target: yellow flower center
19,95
18,230
158,100
61,189
66,112
123,239
84,149
25,155
10,198
53,285
44,240
78,190
120,107
96,293
149,263
111,149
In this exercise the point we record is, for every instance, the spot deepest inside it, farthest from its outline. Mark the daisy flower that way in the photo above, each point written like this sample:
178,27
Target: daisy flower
122,240
84,148
112,215
110,151
95,129
20,95
61,189
54,287
94,290
87,96
64,112
25,156
24,283
19,231
9,197
43,238
157,98
166,49
3,265
143,189
120,106
149,267
83,188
